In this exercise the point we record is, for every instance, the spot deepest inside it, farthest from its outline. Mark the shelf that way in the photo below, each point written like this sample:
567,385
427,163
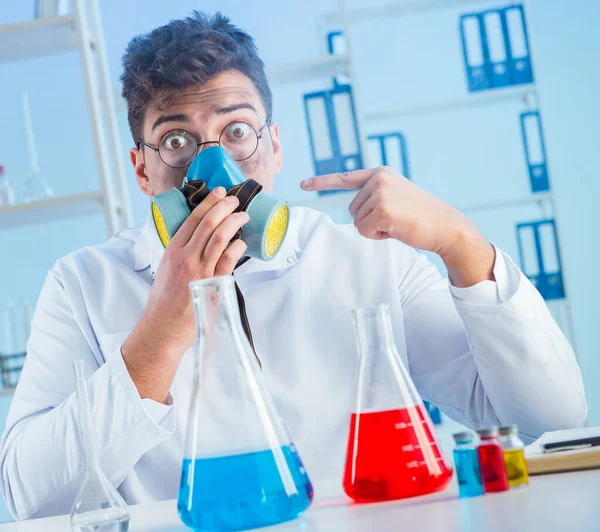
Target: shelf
5,392
526,92
321,67
37,38
342,200
339,200
39,212
530,199
397,9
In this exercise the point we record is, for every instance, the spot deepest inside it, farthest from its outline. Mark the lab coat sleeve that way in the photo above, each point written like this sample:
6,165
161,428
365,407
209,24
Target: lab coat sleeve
41,454
490,354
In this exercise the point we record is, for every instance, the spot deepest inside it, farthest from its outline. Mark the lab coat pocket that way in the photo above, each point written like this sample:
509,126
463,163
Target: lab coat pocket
110,344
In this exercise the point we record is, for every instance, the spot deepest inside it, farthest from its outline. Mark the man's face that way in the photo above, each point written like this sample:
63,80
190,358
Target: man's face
204,111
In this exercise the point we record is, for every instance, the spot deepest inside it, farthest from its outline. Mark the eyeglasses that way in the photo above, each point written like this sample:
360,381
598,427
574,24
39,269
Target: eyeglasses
177,148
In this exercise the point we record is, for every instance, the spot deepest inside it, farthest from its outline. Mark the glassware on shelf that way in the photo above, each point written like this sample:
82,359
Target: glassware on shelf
51,8
16,327
9,326
26,317
7,194
11,360
36,187
240,469
98,506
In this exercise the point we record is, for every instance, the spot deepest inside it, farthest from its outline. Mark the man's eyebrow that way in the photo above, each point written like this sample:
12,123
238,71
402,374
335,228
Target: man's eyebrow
235,107
169,118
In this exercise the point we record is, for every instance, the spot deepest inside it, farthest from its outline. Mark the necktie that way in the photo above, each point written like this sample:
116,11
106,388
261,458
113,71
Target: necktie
195,192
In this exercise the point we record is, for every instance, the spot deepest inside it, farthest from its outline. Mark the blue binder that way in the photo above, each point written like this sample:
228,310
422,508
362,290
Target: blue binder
389,149
535,150
474,45
334,39
336,45
333,131
496,43
540,258
496,48
518,45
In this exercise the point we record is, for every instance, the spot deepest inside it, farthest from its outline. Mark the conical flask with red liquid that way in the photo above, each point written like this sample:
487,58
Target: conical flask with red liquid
392,448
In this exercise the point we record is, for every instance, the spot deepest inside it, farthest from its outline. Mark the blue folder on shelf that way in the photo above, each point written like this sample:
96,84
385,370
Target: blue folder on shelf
518,44
540,258
475,54
496,41
496,48
333,131
389,149
535,150
336,45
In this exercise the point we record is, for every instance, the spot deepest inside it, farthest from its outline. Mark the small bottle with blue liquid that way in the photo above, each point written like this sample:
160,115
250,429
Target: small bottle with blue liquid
240,470
466,460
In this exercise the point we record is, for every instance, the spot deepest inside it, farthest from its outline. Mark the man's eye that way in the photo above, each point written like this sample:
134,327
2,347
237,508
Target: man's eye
176,142
237,131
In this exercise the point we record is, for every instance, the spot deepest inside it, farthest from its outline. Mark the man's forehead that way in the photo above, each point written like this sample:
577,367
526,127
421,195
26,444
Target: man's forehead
221,91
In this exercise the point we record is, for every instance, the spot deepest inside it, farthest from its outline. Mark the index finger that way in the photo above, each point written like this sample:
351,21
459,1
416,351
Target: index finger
188,227
341,181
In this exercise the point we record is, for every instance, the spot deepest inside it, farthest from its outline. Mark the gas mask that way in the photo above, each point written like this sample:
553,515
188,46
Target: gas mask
213,167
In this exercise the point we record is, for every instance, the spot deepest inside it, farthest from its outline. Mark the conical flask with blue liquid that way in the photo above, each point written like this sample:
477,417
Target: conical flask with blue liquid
240,469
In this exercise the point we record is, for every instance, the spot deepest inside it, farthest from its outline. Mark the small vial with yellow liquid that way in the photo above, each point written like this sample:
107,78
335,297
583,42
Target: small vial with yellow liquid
514,457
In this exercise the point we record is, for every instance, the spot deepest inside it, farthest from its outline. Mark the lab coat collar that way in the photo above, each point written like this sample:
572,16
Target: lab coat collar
148,251
148,248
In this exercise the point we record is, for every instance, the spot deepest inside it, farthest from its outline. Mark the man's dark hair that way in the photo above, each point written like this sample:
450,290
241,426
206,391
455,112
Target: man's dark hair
160,64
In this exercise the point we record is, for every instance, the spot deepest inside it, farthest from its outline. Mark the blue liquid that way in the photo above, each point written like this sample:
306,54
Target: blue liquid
468,472
241,491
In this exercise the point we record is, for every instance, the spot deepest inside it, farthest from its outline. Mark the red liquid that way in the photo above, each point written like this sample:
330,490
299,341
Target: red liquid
493,471
394,455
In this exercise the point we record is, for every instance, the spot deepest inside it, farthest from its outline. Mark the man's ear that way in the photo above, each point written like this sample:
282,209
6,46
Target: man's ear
277,149
137,159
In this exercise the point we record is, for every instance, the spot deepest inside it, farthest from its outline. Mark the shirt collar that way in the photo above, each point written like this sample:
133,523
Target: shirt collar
148,251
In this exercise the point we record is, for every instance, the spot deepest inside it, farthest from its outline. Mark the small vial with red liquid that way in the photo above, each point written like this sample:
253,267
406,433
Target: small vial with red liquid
491,461
392,449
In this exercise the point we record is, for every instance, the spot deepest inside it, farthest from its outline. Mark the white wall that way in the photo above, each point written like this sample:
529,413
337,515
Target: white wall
566,47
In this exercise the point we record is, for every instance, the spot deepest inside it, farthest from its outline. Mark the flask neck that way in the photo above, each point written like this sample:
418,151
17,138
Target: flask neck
383,382
216,308
221,336
85,415
373,332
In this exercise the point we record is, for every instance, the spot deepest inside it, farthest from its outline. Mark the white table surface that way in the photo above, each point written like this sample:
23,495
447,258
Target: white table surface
561,502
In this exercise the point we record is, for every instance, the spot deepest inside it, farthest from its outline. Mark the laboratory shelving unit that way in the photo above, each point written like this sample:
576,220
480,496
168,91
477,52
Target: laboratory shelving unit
343,64
81,31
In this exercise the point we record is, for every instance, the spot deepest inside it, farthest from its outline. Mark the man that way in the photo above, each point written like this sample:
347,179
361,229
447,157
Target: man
485,349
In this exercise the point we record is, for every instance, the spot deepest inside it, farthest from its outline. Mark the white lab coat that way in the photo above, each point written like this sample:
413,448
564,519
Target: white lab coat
485,355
